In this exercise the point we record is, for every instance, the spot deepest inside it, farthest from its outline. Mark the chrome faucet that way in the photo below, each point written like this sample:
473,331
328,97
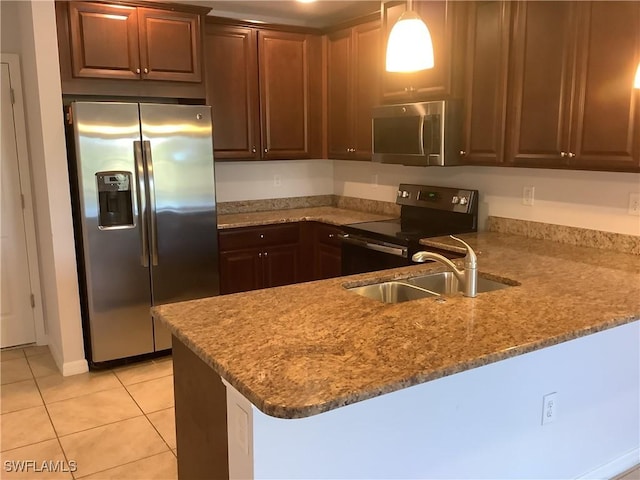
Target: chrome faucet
468,277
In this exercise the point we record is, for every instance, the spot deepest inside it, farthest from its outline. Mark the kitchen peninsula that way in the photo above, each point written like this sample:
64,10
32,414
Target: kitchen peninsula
320,382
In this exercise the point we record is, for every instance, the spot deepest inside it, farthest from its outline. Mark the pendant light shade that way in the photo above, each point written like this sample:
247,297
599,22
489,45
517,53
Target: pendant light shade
409,47
636,83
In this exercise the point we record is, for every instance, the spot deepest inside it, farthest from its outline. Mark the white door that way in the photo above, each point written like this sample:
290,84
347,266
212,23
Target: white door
17,321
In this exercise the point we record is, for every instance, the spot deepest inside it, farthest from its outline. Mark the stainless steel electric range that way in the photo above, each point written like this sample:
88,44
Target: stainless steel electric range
426,211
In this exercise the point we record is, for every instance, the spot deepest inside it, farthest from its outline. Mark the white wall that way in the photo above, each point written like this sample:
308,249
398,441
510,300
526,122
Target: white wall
47,153
596,200
255,180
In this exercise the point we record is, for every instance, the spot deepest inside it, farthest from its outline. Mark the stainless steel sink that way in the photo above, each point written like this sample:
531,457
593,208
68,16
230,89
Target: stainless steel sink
446,283
393,292
432,285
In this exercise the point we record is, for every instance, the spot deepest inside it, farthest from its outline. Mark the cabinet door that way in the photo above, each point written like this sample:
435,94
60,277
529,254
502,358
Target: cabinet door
104,41
340,91
486,87
231,66
367,65
281,265
240,271
170,45
606,125
328,262
540,83
290,94
445,21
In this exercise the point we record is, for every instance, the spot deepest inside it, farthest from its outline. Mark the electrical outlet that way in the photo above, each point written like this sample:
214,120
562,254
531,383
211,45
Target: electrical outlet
527,195
549,408
634,204
277,180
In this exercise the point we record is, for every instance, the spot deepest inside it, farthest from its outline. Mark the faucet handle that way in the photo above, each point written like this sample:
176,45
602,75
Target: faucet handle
470,260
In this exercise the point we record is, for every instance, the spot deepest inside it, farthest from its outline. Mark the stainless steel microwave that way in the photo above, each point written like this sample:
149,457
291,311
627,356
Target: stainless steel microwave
421,134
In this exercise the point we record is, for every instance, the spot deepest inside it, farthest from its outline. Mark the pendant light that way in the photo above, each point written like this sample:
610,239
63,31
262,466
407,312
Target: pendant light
409,47
636,83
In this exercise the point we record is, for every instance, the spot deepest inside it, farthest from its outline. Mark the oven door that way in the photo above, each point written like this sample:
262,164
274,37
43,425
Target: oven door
361,254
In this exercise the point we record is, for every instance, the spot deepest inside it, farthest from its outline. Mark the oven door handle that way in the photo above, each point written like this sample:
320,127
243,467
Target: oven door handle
378,247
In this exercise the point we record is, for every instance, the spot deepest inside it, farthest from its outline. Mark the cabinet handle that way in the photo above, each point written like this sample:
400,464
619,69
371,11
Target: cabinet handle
253,150
462,153
331,235
563,154
571,154
409,89
262,235
266,150
137,70
146,70
260,255
265,254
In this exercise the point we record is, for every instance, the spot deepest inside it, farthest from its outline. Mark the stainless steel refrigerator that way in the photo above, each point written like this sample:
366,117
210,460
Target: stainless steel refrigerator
144,217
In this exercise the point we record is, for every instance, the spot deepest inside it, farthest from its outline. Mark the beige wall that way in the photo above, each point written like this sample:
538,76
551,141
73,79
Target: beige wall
28,28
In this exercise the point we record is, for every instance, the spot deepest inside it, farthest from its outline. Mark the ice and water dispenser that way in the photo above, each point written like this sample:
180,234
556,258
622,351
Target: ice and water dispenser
114,200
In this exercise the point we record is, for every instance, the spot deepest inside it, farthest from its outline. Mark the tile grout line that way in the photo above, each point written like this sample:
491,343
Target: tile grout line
121,465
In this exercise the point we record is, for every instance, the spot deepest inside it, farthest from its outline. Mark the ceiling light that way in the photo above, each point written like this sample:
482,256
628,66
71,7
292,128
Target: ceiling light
409,47
306,1
636,84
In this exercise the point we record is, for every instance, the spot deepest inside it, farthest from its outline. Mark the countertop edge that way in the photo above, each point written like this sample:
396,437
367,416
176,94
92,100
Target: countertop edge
293,412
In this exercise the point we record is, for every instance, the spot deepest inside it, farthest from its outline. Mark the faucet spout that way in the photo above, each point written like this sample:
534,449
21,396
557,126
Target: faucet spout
468,277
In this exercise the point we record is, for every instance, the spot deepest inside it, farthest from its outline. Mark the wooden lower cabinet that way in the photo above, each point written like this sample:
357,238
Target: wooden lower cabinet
259,257
275,255
327,251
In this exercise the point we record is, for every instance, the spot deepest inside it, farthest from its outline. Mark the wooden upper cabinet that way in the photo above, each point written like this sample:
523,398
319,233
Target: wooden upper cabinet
486,82
122,42
540,83
170,45
290,71
104,40
606,113
231,66
353,72
265,90
579,110
446,22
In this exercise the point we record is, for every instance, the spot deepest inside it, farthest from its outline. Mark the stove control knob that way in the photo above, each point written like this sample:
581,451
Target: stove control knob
399,193
455,200
405,194
463,200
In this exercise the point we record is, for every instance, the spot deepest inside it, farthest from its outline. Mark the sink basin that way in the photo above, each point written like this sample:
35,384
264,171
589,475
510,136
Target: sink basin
393,292
432,285
446,283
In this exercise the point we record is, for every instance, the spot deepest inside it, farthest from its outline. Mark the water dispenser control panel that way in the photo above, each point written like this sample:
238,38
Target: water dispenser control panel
114,200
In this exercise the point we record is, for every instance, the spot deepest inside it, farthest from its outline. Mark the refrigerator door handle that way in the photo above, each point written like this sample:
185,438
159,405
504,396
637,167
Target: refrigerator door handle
141,197
146,145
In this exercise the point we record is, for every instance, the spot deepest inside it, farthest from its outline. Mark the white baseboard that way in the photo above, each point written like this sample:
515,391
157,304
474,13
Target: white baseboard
75,367
614,467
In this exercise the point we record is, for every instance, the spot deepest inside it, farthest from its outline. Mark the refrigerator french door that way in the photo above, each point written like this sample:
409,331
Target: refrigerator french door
145,219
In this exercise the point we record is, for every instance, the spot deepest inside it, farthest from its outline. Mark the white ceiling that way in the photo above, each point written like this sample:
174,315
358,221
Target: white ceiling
318,14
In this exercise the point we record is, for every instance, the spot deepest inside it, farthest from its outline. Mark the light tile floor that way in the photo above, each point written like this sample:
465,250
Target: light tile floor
116,424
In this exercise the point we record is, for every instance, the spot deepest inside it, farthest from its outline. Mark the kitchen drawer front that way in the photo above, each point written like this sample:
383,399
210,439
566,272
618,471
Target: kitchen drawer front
328,234
255,237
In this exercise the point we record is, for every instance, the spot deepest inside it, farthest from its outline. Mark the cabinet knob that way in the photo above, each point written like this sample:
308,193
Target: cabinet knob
137,70
260,255
409,89
253,150
266,253
571,154
146,70
563,154
462,153
331,235
262,235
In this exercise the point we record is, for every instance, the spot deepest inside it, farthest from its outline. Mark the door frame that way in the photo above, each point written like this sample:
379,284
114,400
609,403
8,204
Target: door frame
13,62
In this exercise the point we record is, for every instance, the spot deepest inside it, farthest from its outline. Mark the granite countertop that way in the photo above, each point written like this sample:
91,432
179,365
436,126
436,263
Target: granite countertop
331,215
303,349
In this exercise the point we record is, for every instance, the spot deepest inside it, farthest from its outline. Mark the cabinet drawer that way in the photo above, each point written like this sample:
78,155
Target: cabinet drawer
328,234
252,237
